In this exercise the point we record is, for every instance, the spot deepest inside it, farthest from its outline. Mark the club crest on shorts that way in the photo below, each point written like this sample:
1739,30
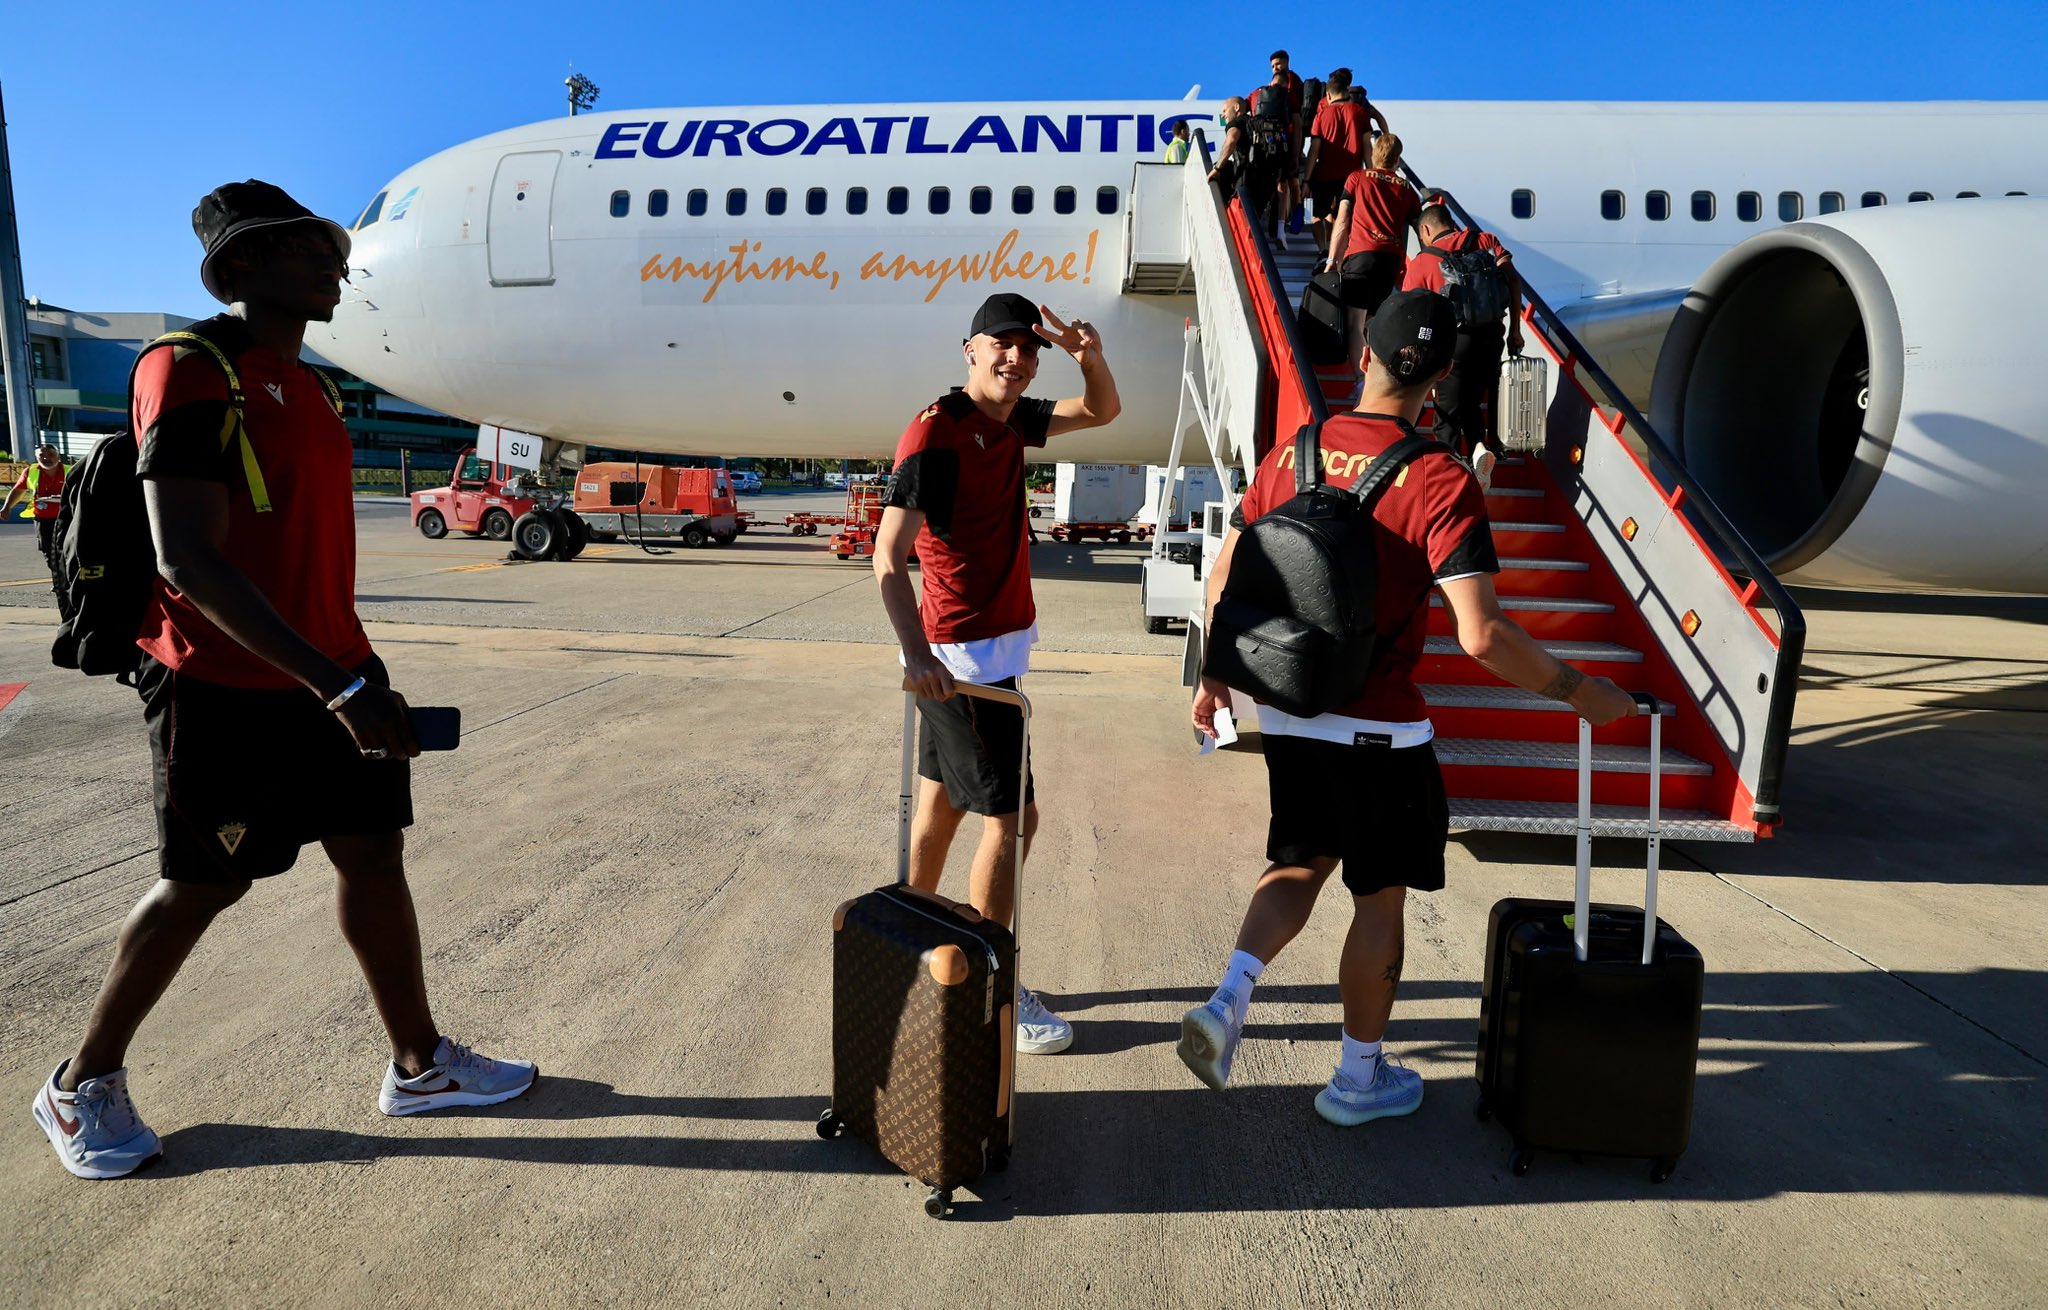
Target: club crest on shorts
231,835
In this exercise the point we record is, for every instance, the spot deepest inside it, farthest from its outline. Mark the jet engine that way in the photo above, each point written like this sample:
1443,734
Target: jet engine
1866,396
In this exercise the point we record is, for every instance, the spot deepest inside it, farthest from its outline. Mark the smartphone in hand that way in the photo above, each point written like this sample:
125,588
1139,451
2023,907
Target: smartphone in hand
437,727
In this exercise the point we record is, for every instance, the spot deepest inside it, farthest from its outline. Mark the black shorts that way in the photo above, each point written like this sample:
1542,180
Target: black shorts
1468,400
245,778
1381,811
973,746
1369,278
1324,196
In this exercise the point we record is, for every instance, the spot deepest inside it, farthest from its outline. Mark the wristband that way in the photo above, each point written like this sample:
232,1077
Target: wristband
346,692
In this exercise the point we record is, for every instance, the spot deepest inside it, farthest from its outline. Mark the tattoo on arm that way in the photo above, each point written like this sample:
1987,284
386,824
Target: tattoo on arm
1564,684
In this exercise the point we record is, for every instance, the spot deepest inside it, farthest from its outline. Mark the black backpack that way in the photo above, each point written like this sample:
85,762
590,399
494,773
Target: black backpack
1473,282
105,557
1265,126
1295,624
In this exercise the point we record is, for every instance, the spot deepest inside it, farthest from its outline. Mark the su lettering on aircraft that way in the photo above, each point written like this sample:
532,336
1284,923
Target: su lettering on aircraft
1027,134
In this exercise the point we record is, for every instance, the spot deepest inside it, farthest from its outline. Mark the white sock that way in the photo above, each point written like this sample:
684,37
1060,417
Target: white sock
1239,977
1360,1061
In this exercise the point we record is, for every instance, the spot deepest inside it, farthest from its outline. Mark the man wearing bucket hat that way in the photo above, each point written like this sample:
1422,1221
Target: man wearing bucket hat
271,721
958,493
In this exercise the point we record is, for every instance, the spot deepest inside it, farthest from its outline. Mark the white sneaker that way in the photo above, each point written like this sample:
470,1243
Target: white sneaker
1209,1035
1395,1090
95,1130
459,1076
1039,1030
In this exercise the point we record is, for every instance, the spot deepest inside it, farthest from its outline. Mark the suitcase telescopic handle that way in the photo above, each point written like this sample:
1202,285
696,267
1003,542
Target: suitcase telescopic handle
1582,892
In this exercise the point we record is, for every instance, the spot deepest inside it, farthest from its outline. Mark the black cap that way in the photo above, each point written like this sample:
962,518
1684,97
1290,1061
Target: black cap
239,207
1422,319
1005,312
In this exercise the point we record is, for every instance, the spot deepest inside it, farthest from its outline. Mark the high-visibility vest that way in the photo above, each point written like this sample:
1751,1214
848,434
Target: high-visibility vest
1176,152
35,481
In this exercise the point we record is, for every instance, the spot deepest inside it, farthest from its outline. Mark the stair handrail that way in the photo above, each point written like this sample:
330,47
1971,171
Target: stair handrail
1791,620
1263,401
1290,326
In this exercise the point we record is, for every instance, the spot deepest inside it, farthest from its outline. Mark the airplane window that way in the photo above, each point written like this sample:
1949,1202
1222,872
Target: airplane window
814,200
939,200
1919,196
1749,206
1657,206
1523,204
1872,199
899,199
736,201
1106,200
1020,200
1063,200
1966,195
1831,202
856,200
657,204
372,211
622,204
1704,206
696,203
1612,205
1791,206
778,201
980,200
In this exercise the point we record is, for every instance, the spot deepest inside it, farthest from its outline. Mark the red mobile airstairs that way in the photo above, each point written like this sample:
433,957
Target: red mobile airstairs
1610,554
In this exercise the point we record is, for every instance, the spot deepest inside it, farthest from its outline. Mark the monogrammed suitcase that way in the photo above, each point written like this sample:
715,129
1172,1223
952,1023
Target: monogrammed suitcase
924,1016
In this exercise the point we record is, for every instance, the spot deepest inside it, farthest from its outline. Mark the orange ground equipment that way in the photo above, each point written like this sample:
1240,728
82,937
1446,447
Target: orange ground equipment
474,502
695,505
863,519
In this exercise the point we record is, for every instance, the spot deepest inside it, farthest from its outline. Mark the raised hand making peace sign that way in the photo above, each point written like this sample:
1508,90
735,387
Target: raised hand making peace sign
1078,338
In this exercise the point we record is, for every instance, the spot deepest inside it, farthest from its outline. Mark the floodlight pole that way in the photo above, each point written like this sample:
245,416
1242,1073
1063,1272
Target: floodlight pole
582,93
15,358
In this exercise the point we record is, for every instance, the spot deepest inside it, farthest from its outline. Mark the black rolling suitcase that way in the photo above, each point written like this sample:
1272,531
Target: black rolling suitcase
1589,1024
924,1014
1321,320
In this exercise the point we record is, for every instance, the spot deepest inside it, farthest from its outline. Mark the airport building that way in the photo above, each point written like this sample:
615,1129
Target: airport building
80,363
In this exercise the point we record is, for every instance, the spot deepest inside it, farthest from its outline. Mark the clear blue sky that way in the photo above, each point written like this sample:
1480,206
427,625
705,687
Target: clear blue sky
121,115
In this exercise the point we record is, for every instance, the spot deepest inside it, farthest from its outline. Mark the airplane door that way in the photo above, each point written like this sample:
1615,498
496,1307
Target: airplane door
522,196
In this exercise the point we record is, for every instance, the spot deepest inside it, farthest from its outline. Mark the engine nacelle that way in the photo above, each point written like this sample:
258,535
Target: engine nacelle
1866,396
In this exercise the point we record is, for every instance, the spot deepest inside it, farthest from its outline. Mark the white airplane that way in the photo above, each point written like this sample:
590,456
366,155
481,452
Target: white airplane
1851,288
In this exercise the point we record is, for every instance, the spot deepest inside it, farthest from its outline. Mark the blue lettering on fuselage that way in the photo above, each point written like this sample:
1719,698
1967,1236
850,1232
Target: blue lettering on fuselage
901,134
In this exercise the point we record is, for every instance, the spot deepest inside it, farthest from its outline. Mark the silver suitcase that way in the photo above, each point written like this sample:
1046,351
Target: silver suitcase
1523,403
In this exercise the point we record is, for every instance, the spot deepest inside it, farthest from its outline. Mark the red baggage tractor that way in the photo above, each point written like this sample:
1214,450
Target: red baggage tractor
924,1014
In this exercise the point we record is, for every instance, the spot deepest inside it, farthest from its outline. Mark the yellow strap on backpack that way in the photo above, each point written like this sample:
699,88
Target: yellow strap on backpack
234,426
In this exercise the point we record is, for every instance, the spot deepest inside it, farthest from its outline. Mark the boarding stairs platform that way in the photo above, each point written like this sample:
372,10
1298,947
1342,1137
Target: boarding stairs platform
1610,556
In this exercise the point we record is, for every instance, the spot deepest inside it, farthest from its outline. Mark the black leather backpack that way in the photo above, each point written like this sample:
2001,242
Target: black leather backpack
1295,624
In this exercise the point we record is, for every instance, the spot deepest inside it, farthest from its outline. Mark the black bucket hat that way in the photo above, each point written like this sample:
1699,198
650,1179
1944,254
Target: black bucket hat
239,207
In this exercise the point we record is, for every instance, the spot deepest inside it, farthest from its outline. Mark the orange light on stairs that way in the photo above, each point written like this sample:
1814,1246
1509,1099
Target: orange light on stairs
1690,624
1628,529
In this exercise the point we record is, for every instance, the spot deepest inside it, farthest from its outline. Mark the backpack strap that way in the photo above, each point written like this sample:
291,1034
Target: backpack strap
1308,458
235,426
327,385
1390,462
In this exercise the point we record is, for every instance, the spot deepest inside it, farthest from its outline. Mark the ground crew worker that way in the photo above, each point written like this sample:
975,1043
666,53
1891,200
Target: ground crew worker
40,489
286,729
1177,149
1359,786
958,494
1468,397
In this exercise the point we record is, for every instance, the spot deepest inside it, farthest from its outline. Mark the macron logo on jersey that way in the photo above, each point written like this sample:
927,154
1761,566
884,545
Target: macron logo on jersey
901,134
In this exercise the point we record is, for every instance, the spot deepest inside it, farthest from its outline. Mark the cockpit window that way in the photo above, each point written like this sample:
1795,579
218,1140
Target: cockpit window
371,212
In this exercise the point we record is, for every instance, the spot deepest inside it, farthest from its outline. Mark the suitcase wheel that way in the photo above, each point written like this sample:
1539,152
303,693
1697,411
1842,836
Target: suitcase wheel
1481,1110
1660,1168
829,1126
998,1160
1520,1160
938,1202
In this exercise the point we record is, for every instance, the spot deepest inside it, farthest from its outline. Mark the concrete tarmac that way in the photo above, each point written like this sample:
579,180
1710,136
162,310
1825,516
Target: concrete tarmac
675,765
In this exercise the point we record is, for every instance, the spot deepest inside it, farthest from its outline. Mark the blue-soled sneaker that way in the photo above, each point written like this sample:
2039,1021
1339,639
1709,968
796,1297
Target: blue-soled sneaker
1208,1039
459,1076
1039,1030
1395,1090
95,1130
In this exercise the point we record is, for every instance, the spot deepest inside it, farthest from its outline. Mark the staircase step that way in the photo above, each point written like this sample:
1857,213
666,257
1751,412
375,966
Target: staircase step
1545,565
1509,525
1593,652
1500,753
1549,604
1562,818
1485,696
1521,493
